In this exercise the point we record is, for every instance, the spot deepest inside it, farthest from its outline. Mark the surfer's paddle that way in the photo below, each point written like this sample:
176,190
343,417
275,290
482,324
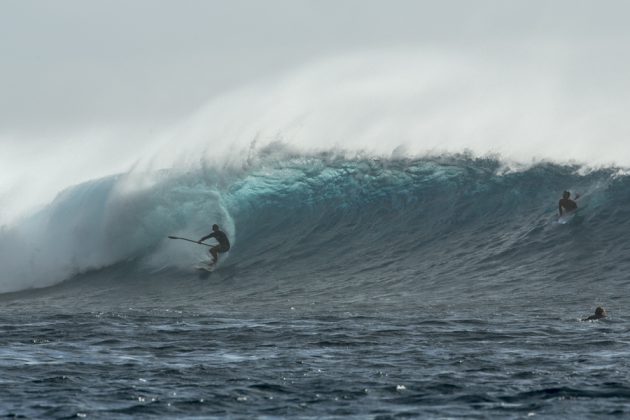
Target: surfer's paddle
189,240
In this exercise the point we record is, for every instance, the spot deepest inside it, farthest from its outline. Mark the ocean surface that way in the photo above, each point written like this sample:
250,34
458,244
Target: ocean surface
438,287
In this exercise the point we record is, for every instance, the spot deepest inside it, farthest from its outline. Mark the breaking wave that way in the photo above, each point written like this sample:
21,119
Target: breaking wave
350,228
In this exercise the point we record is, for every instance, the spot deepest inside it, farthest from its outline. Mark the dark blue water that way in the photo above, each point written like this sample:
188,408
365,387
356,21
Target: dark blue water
374,288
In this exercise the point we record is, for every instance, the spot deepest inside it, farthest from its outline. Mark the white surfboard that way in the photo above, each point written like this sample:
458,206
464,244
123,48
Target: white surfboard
564,220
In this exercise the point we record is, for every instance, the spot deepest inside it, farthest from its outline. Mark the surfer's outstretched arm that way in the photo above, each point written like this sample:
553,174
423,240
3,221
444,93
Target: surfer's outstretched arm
206,237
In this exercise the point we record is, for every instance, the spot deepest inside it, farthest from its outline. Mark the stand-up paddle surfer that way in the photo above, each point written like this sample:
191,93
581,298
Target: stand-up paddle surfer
221,238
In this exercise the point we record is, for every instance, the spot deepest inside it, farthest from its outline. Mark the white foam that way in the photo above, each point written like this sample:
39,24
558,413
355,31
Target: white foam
525,107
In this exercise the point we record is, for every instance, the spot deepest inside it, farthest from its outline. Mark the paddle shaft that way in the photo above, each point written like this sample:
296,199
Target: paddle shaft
190,240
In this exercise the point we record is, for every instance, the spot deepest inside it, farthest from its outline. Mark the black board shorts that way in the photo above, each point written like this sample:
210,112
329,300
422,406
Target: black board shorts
221,248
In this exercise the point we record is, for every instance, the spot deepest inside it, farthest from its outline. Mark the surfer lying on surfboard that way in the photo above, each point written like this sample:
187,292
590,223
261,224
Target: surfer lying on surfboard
600,313
221,238
566,205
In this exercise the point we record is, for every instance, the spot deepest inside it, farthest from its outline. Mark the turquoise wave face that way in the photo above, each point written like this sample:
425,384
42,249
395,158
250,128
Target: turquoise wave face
418,226
402,229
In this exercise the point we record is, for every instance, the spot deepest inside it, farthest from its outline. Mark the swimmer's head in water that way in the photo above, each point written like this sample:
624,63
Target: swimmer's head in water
566,194
215,227
600,311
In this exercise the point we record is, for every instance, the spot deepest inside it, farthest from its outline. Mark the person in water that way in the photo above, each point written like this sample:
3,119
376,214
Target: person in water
221,238
566,205
600,313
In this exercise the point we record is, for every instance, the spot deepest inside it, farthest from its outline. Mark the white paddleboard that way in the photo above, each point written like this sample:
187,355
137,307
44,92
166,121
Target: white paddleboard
205,267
